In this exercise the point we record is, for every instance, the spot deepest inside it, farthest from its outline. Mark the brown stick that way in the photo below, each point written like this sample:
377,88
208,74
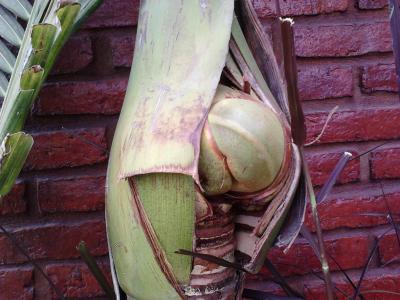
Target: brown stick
299,135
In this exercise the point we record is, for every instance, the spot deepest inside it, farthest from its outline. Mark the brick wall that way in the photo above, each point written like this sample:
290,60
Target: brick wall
344,58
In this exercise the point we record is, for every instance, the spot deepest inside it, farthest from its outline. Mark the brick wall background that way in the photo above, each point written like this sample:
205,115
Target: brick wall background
344,58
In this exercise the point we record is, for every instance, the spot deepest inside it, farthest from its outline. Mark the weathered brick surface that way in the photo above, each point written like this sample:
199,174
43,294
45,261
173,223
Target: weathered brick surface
122,47
75,280
76,55
67,149
385,163
389,248
320,82
54,240
355,125
326,40
82,97
355,209
378,279
113,13
381,77
266,8
84,193
382,279
16,283
14,203
350,252
372,4
322,164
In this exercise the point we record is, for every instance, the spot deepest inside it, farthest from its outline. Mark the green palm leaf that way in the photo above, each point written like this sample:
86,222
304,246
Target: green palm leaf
7,59
15,150
48,25
10,29
21,8
3,84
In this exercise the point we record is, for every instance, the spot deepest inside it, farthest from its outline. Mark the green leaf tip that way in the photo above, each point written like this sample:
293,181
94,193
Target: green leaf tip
42,40
67,14
31,78
13,152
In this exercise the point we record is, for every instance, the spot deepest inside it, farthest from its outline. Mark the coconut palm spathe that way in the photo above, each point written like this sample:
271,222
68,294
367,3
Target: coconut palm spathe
202,160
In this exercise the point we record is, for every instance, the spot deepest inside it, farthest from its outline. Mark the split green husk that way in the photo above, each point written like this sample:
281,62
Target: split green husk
191,156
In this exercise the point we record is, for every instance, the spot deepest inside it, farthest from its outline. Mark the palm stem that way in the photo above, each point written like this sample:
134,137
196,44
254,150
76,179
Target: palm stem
322,253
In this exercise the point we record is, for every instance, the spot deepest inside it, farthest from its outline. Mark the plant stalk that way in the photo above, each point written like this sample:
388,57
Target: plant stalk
299,137
322,252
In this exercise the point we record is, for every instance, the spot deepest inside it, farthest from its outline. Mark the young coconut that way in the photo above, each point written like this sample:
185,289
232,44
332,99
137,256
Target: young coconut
243,144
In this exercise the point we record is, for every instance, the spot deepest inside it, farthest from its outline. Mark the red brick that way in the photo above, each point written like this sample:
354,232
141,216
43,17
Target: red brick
321,165
76,55
382,279
313,288
372,4
266,8
54,240
320,82
363,125
76,194
389,248
265,286
113,13
385,163
122,49
70,148
16,283
352,209
331,40
75,280
380,77
14,203
350,251
82,97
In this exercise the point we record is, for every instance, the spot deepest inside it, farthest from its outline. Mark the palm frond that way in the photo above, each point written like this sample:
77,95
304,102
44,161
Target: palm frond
21,8
7,59
3,84
48,25
10,29
18,146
